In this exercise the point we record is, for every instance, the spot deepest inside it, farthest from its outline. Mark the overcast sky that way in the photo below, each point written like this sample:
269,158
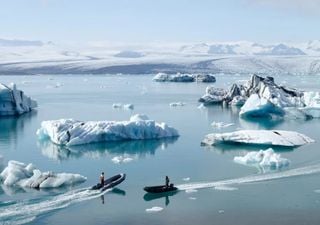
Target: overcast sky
163,20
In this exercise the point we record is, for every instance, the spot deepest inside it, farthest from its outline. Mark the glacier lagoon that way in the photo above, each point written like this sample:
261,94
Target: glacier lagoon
226,192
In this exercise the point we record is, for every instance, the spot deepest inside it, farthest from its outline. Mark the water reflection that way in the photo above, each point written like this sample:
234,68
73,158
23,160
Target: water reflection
137,148
11,127
236,147
152,196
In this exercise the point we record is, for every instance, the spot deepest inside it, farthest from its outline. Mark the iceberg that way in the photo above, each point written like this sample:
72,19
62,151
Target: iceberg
258,137
14,101
20,174
262,97
256,106
220,125
205,78
177,104
213,96
73,132
266,159
123,106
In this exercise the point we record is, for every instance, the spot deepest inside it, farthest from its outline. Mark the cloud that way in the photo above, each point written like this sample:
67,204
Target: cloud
302,6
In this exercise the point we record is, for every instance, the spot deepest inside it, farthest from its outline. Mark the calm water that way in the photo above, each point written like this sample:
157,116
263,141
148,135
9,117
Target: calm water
290,200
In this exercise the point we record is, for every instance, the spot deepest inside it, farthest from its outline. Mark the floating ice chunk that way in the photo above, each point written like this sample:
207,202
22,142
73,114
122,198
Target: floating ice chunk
186,179
259,107
221,125
128,106
267,158
14,101
154,209
117,105
201,106
205,78
258,137
72,132
238,101
213,95
192,198
123,106
225,188
176,104
221,211
162,77
121,159
20,174
191,191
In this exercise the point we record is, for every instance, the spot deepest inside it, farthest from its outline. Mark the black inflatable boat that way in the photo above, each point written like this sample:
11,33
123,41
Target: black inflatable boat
160,189
110,182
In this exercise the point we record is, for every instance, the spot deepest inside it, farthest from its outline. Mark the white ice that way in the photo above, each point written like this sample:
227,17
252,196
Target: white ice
220,125
121,159
73,132
176,104
26,175
154,209
128,106
259,137
267,158
257,106
14,101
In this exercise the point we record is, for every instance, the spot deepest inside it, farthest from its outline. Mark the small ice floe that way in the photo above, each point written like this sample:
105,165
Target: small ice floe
267,158
26,175
73,132
154,209
258,137
220,125
317,191
192,198
123,106
177,104
57,85
201,106
221,211
189,191
186,179
14,101
121,159
225,188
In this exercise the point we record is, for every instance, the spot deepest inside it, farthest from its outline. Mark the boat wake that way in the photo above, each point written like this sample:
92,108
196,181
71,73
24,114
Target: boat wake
26,211
301,171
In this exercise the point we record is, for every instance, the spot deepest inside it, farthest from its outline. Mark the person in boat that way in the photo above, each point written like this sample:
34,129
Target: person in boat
102,179
167,181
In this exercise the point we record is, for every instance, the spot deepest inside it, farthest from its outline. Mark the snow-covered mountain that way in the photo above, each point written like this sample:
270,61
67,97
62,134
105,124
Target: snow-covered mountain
38,57
242,48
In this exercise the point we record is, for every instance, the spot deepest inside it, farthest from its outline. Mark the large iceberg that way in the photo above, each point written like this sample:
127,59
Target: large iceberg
265,159
205,78
14,101
73,132
263,97
20,174
258,137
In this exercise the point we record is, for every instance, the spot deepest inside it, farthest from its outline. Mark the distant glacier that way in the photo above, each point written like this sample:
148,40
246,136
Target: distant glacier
36,57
